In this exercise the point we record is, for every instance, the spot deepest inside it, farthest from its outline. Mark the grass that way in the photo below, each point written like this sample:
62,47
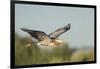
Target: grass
34,55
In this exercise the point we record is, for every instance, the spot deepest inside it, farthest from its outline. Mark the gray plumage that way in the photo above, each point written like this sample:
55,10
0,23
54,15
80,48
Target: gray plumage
40,36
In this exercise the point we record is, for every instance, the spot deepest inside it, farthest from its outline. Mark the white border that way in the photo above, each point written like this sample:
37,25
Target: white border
5,34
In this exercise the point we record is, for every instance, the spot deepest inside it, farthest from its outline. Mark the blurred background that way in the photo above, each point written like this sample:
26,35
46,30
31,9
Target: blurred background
35,55
79,40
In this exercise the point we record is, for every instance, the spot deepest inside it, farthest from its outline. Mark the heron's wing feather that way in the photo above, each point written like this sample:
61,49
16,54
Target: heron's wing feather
59,31
39,35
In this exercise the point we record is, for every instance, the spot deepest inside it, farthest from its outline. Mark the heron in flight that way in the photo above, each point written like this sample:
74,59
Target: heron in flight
47,40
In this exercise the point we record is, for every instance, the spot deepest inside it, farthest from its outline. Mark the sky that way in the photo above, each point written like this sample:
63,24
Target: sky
49,18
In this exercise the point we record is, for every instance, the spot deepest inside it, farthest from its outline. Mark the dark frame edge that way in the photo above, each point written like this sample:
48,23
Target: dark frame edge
54,4
95,33
55,64
12,26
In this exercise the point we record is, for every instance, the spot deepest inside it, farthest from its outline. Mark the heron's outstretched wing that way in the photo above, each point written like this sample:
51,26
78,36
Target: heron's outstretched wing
59,31
39,35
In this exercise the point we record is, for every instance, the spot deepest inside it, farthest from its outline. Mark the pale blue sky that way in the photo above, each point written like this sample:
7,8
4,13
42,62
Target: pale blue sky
49,18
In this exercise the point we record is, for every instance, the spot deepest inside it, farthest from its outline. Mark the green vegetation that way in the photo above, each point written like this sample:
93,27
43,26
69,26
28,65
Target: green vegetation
34,55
